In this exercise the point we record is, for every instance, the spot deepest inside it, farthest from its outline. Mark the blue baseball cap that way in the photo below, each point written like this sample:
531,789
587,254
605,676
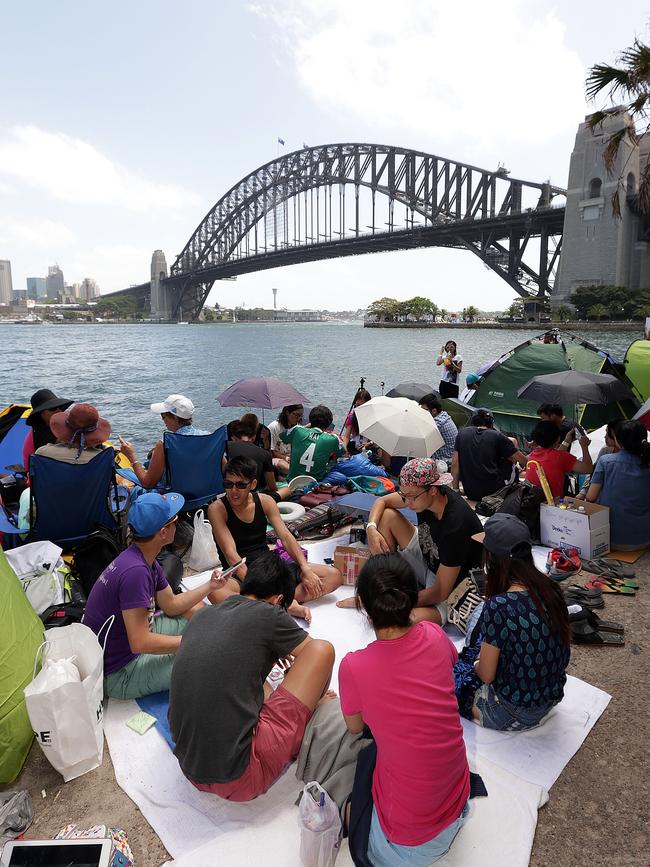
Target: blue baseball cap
472,379
150,512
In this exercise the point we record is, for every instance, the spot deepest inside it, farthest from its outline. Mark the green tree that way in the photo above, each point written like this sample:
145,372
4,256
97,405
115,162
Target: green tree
470,313
598,311
443,313
562,313
516,309
385,309
629,81
418,307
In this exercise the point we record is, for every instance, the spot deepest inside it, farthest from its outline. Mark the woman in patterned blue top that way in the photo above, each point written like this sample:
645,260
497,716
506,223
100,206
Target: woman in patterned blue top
524,629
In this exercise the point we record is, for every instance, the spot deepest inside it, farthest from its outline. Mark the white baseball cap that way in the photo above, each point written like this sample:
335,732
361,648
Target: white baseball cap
177,404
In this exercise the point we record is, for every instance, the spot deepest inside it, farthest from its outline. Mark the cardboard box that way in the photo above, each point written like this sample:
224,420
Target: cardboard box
587,532
349,560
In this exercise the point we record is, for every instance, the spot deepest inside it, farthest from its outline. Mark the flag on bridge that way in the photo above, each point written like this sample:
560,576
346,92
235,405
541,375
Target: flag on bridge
281,141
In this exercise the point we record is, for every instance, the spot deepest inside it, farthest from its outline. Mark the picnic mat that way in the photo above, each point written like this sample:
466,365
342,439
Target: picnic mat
627,556
198,828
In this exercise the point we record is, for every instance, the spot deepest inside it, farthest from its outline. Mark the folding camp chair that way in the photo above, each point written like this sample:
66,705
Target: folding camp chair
192,467
69,501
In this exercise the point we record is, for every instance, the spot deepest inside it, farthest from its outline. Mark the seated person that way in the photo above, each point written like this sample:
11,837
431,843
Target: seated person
290,416
140,646
262,435
391,464
239,526
421,779
472,383
611,447
440,549
555,462
523,632
234,736
483,458
79,434
312,447
554,412
176,412
445,424
355,465
352,439
242,446
622,482
44,405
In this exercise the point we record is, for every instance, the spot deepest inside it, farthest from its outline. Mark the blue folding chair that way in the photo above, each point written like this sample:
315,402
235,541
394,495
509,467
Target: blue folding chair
193,466
69,501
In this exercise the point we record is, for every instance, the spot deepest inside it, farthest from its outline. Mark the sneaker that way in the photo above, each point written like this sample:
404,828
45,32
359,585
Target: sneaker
562,562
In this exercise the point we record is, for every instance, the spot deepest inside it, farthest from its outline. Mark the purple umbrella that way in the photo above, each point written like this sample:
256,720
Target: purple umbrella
261,392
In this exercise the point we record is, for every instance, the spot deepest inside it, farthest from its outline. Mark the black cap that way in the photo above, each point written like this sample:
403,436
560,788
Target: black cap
506,536
43,399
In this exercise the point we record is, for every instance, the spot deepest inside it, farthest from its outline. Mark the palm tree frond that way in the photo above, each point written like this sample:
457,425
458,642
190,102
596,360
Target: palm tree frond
644,190
596,118
616,205
602,76
613,145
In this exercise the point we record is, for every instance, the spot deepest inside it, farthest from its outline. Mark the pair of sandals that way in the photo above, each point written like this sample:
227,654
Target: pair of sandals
589,628
592,597
608,567
624,586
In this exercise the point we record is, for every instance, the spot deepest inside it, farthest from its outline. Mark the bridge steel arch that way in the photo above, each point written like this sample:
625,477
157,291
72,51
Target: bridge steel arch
286,212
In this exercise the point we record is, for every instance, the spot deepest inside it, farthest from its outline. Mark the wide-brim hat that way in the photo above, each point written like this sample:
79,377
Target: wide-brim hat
44,399
81,426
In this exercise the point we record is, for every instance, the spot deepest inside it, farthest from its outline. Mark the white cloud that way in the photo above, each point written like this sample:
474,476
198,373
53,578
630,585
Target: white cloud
74,171
440,70
44,234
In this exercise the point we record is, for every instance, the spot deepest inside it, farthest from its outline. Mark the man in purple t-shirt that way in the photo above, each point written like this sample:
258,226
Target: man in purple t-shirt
141,646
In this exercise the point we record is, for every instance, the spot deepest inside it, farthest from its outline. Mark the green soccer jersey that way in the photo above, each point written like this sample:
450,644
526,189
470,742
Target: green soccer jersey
311,449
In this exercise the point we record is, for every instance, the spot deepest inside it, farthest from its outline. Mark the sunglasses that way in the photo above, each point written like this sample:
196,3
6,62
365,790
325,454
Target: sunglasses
241,486
411,498
173,521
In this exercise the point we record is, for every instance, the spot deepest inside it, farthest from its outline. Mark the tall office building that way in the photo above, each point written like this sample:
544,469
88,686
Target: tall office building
89,290
6,285
36,288
54,283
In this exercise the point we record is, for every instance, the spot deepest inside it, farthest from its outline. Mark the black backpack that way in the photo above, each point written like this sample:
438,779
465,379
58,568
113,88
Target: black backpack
91,556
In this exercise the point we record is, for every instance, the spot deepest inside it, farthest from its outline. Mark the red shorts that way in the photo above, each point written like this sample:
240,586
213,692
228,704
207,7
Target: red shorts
276,743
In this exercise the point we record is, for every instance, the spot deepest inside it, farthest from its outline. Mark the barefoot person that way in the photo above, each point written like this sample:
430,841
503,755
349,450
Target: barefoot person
233,735
239,526
402,687
440,549
140,646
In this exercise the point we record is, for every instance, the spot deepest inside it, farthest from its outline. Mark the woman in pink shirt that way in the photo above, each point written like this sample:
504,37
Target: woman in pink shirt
402,687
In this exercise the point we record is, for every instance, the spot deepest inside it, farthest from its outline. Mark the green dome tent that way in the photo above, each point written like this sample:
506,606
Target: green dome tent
637,366
20,637
514,416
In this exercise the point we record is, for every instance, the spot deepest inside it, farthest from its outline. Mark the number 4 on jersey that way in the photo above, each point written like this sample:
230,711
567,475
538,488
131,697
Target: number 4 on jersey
307,459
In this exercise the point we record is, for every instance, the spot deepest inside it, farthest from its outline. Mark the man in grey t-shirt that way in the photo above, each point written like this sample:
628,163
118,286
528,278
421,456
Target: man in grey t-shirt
233,735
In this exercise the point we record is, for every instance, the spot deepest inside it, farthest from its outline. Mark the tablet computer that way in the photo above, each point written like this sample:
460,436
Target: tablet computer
57,853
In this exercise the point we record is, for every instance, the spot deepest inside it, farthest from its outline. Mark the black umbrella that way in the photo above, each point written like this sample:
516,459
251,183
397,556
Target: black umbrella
575,386
412,390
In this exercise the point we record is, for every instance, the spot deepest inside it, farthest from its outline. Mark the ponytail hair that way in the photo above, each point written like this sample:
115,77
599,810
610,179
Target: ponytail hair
388,591
633,437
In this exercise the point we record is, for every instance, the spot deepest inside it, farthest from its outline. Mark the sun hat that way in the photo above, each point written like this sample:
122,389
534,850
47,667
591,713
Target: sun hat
44,399
472,379
505,536
176,404
423,473
80,426
150,512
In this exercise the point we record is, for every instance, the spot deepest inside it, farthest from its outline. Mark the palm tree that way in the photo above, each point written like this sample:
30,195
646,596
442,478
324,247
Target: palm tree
470,313
598,311
562,313
630,81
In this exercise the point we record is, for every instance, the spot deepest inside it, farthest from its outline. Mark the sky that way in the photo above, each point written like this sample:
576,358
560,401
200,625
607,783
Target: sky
122,124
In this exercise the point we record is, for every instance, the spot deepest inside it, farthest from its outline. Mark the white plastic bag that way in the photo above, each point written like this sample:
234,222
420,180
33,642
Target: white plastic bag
320,827
66,714
203,555
37,567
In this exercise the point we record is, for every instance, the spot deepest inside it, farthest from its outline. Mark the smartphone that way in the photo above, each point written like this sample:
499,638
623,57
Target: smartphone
232,569
580,429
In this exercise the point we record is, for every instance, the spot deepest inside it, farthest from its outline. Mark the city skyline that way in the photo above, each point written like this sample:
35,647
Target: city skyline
97,171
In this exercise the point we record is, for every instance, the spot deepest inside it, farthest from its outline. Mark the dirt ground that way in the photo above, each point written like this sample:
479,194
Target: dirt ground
598,809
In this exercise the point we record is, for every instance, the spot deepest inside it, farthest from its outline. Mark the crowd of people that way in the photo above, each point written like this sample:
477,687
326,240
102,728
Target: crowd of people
234,733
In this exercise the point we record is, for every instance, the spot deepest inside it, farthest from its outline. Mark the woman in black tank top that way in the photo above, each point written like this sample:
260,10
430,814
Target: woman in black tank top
249,538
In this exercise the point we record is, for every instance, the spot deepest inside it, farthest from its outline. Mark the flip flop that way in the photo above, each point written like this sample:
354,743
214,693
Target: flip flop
610,587
583,633
596,622
587,598
608,566
622,582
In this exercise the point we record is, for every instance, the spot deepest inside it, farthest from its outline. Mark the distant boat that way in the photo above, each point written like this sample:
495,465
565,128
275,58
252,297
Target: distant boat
182,323
29,320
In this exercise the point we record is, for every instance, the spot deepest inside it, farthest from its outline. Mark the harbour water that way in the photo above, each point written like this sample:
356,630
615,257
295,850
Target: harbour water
122,369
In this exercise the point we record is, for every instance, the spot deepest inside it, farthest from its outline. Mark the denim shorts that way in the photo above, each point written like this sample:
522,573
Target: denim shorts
425,577
383,853
497,713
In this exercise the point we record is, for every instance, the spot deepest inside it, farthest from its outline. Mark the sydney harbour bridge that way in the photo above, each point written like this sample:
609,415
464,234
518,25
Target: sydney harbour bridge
348,199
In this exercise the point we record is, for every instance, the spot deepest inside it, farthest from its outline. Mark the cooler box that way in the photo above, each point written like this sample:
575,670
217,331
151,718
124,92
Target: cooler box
349,560
587,532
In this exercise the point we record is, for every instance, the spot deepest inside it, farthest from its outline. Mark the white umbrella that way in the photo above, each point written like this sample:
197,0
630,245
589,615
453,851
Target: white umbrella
399,426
